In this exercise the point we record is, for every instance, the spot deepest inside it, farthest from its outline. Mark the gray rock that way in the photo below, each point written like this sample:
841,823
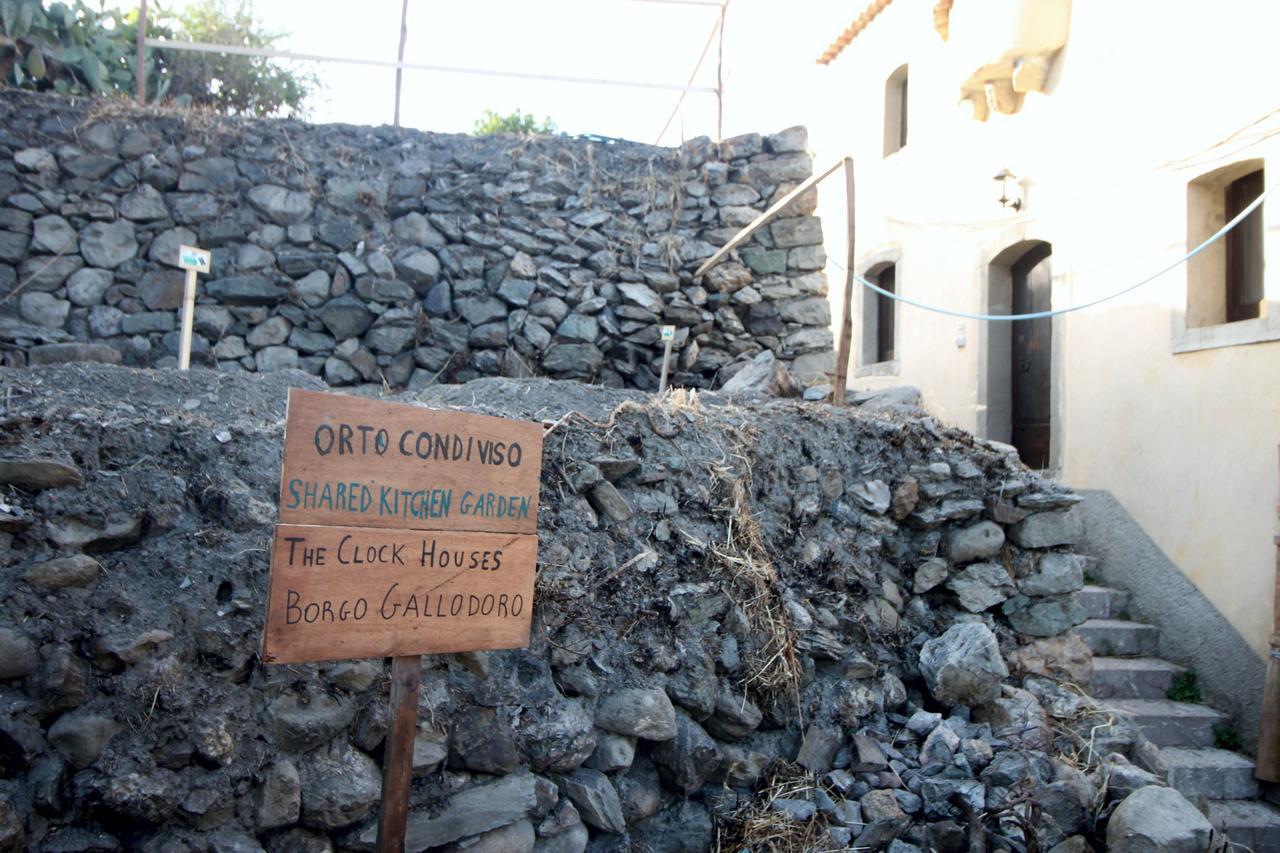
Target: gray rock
764,376
280,205
419,268
981,586
43,309
693,686
517,292
480,310
18,656
414,228
108,244
595,798
683,827
269,359
52,235
800,231
70,353
278,798
144,204
439,299
798,811
270,332
245,290
1124,778
556,736
791,140
105,321
735,716
33,475
313,288
638,711
815,311
518,837
930,574
1043,617
613,752
47,273
873,496
482,741
687,760
819,748
340,786
975,542
76,570
473,811
963,666
159,290
35,160
579,327
81,736
147,322
608,501
346,317
1047,530
1057,574
164,248
1155,819
297,723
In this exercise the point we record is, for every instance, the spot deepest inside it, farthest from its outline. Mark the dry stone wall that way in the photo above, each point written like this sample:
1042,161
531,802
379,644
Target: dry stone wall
383,255
840,628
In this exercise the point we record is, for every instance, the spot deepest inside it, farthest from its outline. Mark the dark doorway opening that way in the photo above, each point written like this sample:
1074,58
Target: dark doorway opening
1031,349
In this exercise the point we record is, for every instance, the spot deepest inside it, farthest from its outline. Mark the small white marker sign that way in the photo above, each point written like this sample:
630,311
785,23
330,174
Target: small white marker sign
668,333
191,258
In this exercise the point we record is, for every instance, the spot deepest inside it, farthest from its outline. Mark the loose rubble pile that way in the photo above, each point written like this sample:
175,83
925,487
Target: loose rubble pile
393,256
767,626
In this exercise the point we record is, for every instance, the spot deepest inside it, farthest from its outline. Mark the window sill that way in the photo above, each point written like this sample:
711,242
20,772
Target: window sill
1241,333
880,368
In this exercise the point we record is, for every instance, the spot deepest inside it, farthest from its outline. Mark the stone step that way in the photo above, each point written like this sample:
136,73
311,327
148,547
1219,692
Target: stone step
1212,773
1103,602
1251,824
1116,637
1168,723
1132,678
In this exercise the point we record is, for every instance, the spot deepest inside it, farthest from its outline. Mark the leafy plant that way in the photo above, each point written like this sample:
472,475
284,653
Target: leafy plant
516,122
1227,736
1185,688
73,48
231,83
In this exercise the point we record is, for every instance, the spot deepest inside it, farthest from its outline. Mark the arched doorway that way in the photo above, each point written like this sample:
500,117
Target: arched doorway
1019,371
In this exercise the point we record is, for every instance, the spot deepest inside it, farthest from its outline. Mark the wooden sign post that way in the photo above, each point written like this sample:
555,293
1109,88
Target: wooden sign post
668,337
194,261
403,531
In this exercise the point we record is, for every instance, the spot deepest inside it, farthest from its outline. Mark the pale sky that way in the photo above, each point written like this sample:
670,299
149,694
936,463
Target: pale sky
614,39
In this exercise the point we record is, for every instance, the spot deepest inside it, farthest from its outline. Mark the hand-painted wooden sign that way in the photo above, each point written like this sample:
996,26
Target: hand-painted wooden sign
367,463
403,531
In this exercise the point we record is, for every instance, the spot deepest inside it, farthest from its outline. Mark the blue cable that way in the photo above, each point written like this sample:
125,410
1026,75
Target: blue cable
1037,315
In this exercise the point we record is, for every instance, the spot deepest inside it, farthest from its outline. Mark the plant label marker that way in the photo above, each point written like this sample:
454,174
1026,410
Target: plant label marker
668,338
403,531
194,261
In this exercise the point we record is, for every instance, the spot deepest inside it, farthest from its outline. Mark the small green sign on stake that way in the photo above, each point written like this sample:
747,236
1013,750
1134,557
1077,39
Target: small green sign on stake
194,261
668,338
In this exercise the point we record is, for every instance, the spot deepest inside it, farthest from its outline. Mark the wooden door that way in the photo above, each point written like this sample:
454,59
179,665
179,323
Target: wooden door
1032,348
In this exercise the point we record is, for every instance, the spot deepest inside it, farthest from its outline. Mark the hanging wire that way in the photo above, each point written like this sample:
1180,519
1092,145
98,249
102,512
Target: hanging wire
1037,315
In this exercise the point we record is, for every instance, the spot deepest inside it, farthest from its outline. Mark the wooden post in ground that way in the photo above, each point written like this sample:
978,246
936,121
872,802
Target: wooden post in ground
668,337
1268,764
397,756
140,59
404,35
841,378
194,261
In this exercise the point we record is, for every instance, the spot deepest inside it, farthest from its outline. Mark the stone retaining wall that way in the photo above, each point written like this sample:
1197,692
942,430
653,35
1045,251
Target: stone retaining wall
376,254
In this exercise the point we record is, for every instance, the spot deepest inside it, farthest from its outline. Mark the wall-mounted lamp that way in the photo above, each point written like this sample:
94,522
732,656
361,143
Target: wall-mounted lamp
1004,177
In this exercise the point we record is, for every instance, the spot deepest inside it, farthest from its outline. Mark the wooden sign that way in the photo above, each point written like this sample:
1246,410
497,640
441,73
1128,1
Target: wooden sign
191,258
368,463
403,531
357,592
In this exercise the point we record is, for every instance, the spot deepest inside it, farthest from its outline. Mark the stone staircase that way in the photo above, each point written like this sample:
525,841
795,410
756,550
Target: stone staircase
1129,677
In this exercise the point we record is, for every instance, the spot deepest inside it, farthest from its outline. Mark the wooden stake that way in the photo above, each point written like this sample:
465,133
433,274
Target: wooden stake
140,60
397,756
404,35
1268,763
841,378
188,320
720,76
